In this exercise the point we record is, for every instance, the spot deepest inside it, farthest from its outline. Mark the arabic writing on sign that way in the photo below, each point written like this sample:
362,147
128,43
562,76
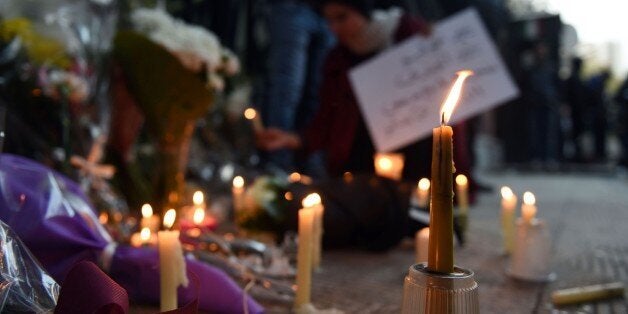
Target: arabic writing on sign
400,90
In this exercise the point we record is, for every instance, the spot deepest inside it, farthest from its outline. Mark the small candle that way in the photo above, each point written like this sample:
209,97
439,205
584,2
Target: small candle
313,201
528,208
103,218
199,216
423,189
171,263
294,177
196,218
251,114
198,199
143,238
304,257
421,242
509,203
238,192
462,193
149,220
389,165
441,247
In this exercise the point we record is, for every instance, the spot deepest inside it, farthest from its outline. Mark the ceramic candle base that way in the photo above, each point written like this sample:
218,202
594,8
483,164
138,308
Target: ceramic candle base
429,292
531,256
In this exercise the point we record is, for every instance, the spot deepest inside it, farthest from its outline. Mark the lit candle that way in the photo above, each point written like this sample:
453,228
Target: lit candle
294,177
103,218
389,165
314,201
143,238
528,208
238,192
509,203
251,114
149,220
199,216
421,242
441,244
171,263
423,189
304,257
462,193
195,218
198,199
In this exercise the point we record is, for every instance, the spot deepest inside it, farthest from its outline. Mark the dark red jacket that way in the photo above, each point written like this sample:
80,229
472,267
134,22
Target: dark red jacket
334,127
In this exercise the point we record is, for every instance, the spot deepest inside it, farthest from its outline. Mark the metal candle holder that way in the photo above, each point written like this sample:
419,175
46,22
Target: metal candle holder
429,292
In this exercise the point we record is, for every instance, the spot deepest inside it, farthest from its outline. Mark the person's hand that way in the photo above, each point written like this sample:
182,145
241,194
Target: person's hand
274,139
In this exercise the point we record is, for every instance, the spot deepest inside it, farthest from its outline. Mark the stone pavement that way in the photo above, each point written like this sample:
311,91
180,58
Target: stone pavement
587,215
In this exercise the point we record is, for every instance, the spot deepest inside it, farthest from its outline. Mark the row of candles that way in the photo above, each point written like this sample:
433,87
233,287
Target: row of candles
508,208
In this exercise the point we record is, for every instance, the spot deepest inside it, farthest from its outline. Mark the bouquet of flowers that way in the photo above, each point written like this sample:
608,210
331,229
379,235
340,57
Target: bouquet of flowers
265,206
171,71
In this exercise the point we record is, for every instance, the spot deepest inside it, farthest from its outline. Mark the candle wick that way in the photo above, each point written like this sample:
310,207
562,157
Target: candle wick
442,119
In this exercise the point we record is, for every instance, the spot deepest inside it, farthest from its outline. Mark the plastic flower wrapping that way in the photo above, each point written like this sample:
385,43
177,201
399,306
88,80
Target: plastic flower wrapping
57,222
53,65
54,61
24,285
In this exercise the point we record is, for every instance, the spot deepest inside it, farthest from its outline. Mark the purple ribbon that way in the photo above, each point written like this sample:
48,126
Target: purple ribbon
55,220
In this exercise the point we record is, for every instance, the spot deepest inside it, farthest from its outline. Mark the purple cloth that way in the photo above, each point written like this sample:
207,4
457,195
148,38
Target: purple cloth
56,221
87,289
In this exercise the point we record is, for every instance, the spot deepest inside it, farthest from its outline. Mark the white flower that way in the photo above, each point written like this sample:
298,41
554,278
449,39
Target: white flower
192,45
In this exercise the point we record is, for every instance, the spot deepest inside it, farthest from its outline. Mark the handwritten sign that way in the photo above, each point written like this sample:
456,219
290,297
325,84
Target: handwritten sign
400,91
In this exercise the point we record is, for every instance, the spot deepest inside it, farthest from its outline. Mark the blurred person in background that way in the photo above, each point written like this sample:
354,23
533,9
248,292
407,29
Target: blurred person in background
575,99
299,40
338,128
544,119
621,98
596,111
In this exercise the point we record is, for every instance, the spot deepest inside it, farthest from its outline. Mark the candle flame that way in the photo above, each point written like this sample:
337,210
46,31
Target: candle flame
294,177
528,198
385,163
103,218
507,192
311,200
454,95
461,179
169,218
147,211
198,198
288,196
424,184
250,113
145,234
199,216
238,182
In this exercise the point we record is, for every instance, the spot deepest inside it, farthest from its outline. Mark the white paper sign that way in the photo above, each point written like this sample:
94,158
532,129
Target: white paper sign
400,91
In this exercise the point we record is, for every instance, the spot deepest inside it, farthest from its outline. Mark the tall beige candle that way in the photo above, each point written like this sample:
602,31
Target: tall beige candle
528,208
314,201
423,192
304,257
172,271
238,192
422,240
509,204
441,247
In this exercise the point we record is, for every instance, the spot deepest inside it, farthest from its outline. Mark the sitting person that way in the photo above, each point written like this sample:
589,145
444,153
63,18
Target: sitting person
338,128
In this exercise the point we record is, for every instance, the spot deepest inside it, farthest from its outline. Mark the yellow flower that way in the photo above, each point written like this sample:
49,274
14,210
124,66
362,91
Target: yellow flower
41,50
